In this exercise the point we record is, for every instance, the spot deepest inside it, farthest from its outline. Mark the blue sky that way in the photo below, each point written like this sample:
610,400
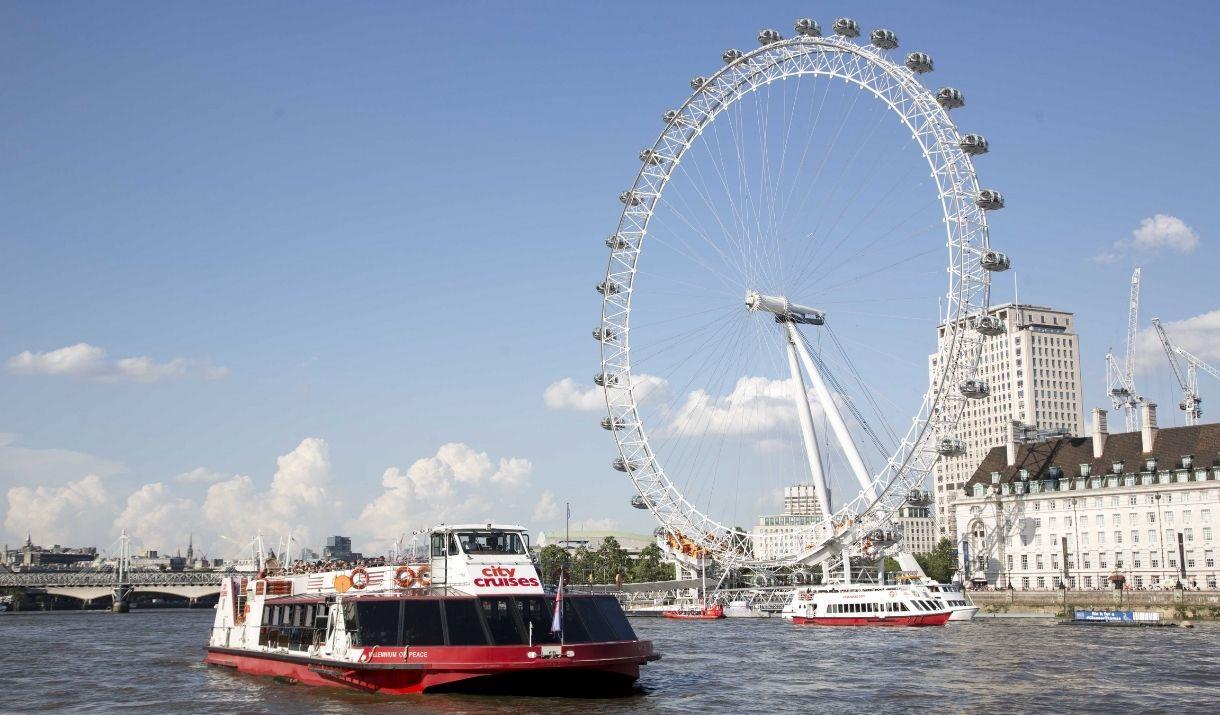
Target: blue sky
378,226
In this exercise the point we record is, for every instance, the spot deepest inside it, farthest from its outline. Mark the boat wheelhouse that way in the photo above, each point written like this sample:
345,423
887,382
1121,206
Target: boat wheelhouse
473,616
866,605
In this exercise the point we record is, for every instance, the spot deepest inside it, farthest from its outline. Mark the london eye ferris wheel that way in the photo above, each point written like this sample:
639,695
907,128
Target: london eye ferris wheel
804,220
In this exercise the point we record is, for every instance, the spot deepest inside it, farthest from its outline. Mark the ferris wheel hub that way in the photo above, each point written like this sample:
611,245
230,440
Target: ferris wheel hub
784,309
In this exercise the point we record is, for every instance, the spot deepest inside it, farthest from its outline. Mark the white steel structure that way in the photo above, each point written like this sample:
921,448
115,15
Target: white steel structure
1120,381
1192,403
721,195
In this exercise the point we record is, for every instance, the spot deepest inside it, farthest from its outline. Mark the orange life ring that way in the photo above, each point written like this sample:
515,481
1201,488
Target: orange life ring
359,577
404,577
424,577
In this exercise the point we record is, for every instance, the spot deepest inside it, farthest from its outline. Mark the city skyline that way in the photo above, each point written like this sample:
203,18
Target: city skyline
226,293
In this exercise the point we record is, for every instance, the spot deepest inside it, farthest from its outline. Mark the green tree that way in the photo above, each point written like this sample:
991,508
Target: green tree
941,563
585,565
612,559
651,566
552,559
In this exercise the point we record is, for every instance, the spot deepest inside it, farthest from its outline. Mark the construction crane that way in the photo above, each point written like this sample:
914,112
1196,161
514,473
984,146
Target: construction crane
1191,403
1120,381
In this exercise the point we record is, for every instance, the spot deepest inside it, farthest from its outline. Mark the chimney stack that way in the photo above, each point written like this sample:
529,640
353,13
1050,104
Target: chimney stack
1100,432
1013,426
1148,418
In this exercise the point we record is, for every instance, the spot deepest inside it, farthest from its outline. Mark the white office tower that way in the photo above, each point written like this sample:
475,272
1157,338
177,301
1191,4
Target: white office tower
776,536
1032,370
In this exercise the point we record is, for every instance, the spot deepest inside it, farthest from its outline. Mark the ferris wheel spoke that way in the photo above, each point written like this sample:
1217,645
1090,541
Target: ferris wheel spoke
813,247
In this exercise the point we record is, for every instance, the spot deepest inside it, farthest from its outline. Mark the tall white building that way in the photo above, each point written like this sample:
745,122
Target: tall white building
914,520
1140,508
1033,372
776,536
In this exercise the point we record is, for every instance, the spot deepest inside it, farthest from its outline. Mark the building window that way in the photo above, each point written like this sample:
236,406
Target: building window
1088,581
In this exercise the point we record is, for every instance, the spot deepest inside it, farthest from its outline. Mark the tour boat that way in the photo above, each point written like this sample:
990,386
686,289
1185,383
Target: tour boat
866,605
473,617
951,595
706,613
954,598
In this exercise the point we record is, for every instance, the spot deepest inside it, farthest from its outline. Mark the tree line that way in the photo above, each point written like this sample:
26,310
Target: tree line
608,563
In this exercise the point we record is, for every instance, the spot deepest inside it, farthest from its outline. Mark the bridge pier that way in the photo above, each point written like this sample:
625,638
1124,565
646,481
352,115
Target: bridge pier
122,599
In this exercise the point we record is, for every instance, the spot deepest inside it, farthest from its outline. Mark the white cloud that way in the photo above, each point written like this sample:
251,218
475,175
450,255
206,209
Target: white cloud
88,362
1199,335
1164,231
296,504
457,483
756,405
79,511
566,394
200,475
157,519
547,509
1160,232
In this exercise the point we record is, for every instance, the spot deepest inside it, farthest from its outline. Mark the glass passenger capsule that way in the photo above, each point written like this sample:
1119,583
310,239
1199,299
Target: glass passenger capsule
847,27
919,62
730,56
609,287
989,200
974,144
883,38
995,261
629,198
605,379
974,388
768,37
950,98
806,27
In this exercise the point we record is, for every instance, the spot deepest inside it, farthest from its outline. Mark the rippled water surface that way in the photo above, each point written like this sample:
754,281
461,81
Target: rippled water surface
150,662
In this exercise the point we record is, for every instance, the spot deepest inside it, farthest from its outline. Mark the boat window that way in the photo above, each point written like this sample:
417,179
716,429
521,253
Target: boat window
536,613
438,544
501,621
613,614
421,623
574,630
453,546
903,607
377,622
594,623
497,543
462,620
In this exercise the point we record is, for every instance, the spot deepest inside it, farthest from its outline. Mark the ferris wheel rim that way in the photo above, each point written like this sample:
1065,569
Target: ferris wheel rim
676,514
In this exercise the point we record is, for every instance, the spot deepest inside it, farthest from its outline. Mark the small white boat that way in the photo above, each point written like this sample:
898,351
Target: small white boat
742,609
951,595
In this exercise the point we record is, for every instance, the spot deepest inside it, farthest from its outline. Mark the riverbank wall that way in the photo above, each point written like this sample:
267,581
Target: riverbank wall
1174,605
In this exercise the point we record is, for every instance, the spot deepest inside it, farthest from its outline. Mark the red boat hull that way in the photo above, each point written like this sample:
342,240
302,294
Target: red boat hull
922,619
606,666
710,613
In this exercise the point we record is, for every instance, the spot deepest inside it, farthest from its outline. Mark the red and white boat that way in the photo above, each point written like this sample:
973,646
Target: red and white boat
472,617
867,605
706,613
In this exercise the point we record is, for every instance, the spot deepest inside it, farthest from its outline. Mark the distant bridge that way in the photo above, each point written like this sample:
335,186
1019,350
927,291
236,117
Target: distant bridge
90,585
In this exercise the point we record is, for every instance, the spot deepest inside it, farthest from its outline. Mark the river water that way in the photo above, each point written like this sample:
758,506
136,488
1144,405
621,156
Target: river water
150,662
